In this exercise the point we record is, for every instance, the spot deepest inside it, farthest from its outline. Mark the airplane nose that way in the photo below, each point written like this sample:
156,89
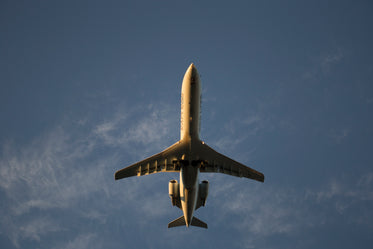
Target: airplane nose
191,78
193,73
193,70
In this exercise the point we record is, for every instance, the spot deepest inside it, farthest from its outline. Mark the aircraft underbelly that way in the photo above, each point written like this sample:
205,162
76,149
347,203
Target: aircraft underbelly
188,191
190,105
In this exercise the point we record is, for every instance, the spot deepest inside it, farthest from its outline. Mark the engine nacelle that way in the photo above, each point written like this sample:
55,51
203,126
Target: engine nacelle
203,192
174,192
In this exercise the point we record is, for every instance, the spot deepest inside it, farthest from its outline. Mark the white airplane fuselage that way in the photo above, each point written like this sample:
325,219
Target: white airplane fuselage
189,133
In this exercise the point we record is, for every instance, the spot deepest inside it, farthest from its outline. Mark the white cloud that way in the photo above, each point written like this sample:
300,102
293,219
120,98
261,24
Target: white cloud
64,170
41,174
38,227
366,180
95,215
153,125
82,241
262,210
331,59
324,63
248,125
361,191
333,189
338,135
34,229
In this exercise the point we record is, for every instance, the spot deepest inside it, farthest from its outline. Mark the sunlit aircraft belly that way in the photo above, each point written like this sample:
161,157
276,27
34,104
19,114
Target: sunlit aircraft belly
188,191
190,105
189,131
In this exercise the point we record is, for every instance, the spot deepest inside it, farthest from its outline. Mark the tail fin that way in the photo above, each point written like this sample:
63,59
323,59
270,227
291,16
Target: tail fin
181,222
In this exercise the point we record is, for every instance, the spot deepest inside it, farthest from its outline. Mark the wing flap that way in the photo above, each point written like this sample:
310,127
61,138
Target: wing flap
165,161
214,162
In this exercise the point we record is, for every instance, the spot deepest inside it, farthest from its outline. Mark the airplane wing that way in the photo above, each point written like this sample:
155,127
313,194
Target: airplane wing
218,163
165,161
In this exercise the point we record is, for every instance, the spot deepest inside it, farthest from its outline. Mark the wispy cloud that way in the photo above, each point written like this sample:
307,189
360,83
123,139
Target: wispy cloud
83,241
240,129
126,130
330,59
265,210
40,176
64,168
324,63
31,230
338,135
66,175
38,227
47,172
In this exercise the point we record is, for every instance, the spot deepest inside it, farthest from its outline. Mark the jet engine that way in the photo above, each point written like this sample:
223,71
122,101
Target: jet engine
174,192
203,192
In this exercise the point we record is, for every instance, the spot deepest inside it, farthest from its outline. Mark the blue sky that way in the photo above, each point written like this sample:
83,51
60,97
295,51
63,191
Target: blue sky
89,87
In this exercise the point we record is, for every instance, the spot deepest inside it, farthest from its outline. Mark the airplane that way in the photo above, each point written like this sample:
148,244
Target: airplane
190,156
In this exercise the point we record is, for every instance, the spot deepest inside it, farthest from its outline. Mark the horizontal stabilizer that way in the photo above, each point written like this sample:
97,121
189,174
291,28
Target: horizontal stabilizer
178,222
198,223
181,222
